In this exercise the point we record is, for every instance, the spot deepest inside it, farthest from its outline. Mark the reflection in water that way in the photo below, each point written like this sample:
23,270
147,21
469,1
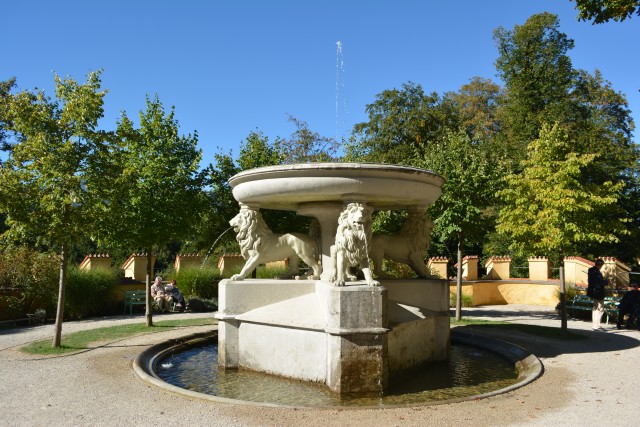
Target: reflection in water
469,372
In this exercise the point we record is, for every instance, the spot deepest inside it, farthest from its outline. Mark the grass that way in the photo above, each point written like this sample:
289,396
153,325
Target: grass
541,331
84,340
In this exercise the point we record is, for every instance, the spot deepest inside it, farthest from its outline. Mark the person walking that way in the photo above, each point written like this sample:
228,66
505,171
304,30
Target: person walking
595,289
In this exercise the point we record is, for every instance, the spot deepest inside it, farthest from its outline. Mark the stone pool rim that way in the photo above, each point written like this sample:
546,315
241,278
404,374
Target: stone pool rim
528,365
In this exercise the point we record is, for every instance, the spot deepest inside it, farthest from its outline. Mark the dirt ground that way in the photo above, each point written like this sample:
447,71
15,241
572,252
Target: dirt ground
583,380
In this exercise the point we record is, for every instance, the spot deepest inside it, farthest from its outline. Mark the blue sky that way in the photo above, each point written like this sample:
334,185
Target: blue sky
232,67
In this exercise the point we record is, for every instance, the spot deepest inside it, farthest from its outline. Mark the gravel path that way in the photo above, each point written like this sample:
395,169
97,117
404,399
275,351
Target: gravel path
591,380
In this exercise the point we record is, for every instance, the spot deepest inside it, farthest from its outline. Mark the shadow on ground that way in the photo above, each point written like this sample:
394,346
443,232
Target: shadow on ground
547,341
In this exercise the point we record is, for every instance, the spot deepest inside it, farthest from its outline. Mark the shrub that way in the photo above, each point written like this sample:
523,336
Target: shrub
570,291
200,305
30,280
87,291
467,300
198,282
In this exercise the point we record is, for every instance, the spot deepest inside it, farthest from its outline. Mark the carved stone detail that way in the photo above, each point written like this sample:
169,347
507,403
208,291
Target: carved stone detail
258,245
351,247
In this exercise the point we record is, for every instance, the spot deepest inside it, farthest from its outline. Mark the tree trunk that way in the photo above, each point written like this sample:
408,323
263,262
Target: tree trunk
563,303
57,337
459,283
148,306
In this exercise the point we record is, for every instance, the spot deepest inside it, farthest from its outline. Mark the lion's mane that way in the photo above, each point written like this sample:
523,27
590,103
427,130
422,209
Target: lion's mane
253,233
352,240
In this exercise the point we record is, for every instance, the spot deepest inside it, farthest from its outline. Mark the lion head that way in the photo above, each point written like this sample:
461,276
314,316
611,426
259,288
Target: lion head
250,229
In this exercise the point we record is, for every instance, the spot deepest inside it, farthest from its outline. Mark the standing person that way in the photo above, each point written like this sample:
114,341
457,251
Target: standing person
595,290
158,293
629,305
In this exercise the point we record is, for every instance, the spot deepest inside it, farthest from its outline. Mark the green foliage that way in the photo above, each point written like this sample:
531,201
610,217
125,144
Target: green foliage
466,301
538,75
601,11
401,123
87,292
570,292
47,186
307,146
256,151
32,277
549,209
157,194
469,187
198,282
45,182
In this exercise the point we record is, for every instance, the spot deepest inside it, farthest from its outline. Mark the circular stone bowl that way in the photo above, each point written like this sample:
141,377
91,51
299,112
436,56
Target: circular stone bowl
382,186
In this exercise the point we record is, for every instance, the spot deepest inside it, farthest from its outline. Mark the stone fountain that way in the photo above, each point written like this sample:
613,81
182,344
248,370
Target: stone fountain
340,325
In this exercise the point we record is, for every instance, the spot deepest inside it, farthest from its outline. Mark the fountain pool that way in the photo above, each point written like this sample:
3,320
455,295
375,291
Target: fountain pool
471,372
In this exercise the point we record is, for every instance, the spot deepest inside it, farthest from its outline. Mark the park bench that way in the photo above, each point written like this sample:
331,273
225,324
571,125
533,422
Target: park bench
584,303
580,303
132,298
611,307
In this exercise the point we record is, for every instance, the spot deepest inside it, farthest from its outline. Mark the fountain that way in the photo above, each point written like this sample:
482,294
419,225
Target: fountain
345,329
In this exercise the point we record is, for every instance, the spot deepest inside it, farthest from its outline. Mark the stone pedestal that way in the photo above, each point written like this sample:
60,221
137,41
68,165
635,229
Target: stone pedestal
357,339
354,339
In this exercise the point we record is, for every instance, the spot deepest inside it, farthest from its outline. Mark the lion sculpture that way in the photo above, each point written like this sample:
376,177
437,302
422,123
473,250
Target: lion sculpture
351,247
407,247
258,244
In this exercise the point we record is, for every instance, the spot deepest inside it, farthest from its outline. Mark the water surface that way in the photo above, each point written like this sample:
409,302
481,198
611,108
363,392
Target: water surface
469,372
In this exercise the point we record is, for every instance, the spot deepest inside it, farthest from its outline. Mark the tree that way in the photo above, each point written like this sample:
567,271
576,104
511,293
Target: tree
157,195
47,180
401,123
307,146
601,11
478,104
5,96
538,76
460,214
550,209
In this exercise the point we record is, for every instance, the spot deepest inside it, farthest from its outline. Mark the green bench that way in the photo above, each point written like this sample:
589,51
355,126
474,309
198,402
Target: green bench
132,298
584,303
579,303
611,307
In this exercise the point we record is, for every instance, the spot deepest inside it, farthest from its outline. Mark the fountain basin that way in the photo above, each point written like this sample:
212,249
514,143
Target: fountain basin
283,393
287,187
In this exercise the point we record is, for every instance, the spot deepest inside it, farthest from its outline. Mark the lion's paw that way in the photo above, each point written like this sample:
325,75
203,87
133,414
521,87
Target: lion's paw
236,277
373,283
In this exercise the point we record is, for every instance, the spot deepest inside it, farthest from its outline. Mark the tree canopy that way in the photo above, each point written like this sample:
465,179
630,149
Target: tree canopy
549,209
601,11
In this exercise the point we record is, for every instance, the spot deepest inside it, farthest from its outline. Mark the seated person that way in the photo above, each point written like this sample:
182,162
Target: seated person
176,295
160,295
630,304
